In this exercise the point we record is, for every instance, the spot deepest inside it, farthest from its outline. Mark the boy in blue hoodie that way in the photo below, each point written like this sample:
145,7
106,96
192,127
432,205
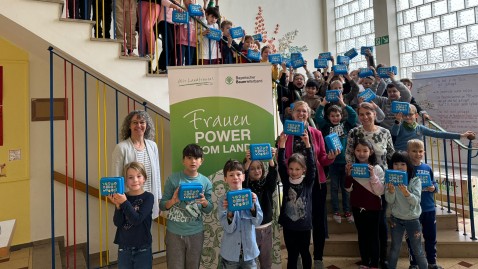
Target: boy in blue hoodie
416,151
333,122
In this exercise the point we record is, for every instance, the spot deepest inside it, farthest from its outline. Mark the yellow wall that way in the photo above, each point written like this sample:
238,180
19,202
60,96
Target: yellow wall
15,186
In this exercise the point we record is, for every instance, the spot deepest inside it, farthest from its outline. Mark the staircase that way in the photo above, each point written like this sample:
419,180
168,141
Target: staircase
451,242
36,25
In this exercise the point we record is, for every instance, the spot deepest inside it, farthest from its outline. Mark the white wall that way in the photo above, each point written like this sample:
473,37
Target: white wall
307,16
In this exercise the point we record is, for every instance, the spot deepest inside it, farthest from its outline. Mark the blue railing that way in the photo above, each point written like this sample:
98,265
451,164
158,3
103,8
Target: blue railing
452,159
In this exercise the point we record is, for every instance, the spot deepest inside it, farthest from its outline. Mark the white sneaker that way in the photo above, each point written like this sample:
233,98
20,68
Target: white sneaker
318,264
337,217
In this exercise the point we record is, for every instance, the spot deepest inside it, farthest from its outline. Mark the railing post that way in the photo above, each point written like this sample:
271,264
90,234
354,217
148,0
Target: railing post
470,192
86,177
424,140
446,176
52,166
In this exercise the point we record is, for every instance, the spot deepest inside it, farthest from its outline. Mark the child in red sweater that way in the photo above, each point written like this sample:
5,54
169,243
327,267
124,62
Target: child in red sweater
366,202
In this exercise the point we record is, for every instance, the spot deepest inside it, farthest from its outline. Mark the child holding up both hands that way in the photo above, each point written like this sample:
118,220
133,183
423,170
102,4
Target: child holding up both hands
404,202
133,220
238,247
297,177
263,185
334,122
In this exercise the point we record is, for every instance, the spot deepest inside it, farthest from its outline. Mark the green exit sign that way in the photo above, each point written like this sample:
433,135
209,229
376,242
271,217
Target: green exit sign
382,40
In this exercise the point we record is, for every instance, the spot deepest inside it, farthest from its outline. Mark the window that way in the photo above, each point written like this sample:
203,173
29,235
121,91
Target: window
354,28
436,34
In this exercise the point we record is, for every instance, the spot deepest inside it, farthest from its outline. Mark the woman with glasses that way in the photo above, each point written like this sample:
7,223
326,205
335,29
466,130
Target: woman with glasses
137,145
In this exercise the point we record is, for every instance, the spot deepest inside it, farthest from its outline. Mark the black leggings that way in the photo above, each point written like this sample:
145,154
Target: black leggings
367,223
297,242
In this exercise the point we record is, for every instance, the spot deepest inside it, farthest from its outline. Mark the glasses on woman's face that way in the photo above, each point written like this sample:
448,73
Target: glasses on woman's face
138,122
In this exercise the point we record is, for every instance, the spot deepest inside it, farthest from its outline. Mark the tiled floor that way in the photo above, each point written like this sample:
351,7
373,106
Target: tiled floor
22,259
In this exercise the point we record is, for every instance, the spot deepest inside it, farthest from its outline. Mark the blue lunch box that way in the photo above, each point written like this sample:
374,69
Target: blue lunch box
396,177
360,170
189,191
292,127
239,200
111,185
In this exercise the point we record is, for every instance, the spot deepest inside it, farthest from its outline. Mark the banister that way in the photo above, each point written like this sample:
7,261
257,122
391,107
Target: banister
80,186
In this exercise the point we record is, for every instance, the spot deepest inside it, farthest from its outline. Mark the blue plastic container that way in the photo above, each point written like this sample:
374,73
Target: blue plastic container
360,170
189,191
364,49
396,177
340,69
236,32
400,107
297,63
254,55
260,152
383,71
180,17
257,37
368,95
111,185
275,58
365,72
325,55
351,53
292,127
321,63
239,200
195,10
332,95
214,34
333,142
343,60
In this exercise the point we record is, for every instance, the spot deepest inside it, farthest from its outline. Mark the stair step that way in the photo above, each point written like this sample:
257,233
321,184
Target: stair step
80,259
444,219
42,255
77,20
53,1
18,259
7,229
450,244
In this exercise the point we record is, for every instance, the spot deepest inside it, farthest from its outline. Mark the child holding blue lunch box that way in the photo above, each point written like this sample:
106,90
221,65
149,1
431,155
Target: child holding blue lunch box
297,174
404,201
364,181
239,214
416,151
185,229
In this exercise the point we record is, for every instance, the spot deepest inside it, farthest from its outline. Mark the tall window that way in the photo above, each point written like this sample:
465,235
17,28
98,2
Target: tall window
436,34
354,28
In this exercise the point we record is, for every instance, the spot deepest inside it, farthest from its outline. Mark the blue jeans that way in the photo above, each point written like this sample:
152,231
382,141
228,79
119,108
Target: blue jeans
337,180
414,229
185,55
135,257
240,264
429,228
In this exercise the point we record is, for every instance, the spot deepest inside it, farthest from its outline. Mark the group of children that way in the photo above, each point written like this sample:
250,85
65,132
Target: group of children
364,201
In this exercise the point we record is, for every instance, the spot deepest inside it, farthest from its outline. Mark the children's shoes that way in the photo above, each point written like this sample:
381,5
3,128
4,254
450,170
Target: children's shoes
318,264
434,266
337,217
349,217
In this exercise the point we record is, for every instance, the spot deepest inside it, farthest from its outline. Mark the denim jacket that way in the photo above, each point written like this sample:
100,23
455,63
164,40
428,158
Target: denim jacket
240,232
